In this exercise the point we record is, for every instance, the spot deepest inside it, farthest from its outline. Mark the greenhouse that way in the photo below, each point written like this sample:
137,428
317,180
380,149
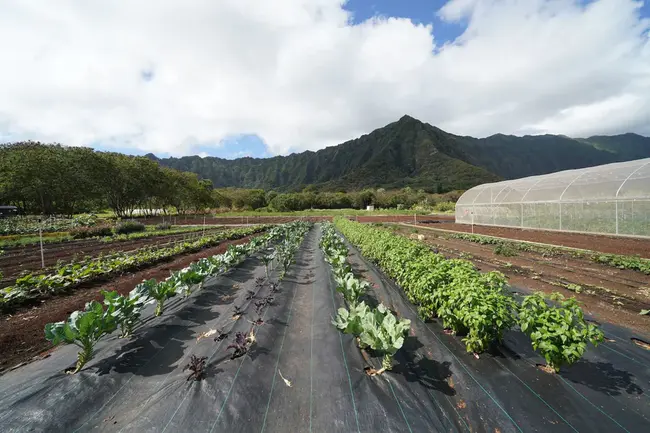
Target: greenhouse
607,199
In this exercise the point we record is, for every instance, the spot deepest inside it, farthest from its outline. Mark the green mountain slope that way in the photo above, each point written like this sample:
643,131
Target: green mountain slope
412,153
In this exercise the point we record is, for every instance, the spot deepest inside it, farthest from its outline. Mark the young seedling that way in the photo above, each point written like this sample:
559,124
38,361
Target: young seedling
267,259
241,343
259,282
259,306
197,367
250,295
275,287
237,312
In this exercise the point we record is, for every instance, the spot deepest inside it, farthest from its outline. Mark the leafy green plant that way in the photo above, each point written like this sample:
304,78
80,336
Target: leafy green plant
160,292
163,226
558,331
84,329
468,302
267,259
351,287
504,250
91,232
68,275
126,227
382,332
349,321
127,309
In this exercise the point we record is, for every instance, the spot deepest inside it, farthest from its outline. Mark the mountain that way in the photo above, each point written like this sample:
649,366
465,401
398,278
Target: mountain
412,153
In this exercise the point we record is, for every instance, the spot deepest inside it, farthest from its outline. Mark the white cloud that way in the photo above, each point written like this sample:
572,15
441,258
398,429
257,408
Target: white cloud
297,73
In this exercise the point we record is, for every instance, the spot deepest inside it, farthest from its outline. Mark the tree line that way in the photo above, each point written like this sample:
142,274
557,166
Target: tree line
309,198
59,180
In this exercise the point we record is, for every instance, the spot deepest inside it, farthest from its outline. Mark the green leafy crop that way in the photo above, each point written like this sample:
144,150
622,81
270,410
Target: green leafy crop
381,331
559,332
83,328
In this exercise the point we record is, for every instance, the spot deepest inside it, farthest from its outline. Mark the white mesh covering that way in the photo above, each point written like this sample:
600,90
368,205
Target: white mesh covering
607,199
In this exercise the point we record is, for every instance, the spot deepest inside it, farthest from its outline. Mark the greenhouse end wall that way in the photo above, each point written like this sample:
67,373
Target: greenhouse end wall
608,199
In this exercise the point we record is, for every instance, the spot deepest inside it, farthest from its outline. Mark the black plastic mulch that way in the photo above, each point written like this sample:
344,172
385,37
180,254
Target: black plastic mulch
302,375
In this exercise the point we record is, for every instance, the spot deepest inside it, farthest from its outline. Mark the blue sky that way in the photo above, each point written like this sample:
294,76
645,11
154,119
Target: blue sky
298,74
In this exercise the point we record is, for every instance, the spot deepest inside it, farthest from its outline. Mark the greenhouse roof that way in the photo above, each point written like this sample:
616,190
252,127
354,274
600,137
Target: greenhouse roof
628,180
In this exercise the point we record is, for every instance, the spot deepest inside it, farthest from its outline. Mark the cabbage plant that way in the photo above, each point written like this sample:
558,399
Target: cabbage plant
84,329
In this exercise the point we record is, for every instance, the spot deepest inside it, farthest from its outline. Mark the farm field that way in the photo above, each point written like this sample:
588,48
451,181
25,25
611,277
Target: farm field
28,258
607,292
298,373
602,243
257,219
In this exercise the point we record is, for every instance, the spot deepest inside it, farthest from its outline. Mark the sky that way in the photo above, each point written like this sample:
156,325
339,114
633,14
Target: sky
233,78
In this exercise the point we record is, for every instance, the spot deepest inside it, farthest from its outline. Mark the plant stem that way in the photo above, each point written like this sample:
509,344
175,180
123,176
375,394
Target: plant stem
386,363
83,357
159,307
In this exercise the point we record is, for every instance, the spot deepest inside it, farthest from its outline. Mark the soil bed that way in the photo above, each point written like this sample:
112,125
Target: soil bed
21,334
602,243
19,260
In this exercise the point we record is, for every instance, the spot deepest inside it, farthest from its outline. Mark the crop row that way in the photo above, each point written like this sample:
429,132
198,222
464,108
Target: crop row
31,224
34,286
634,263
85,328
474,304
374,328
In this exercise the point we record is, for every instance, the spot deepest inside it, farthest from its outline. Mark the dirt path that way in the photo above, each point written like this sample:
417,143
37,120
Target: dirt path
21,334
611,294
605,244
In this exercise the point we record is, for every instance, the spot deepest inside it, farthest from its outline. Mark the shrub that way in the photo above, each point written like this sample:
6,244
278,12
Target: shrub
91,232
126,227
558,331
163,226
445,206
505,250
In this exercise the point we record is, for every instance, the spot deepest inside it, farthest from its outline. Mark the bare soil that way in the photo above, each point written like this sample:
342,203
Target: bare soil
230,220
18,260
21,334
602,243
609,294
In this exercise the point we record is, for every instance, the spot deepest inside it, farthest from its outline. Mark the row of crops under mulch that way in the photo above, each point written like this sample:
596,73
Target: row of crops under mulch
302,375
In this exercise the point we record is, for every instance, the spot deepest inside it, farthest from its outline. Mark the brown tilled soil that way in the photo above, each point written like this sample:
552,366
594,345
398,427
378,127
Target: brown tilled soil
17,260
190,219
605,244
610,294
21,334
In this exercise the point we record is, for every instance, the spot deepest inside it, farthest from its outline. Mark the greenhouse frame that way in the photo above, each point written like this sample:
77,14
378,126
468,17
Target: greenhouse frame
611,199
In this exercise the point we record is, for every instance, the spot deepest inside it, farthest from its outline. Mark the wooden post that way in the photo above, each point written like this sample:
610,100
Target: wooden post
40,235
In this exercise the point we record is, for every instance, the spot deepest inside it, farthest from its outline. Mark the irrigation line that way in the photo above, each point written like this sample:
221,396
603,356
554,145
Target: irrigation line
277,363
311,359
240,366
345,361
451,403
442,410
596,407
399,405
536,395
187,393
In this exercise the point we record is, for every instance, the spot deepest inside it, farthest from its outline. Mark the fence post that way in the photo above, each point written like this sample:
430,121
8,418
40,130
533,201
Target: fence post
40,235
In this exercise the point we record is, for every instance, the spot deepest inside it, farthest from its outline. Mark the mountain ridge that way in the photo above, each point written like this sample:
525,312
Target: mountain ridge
412,153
